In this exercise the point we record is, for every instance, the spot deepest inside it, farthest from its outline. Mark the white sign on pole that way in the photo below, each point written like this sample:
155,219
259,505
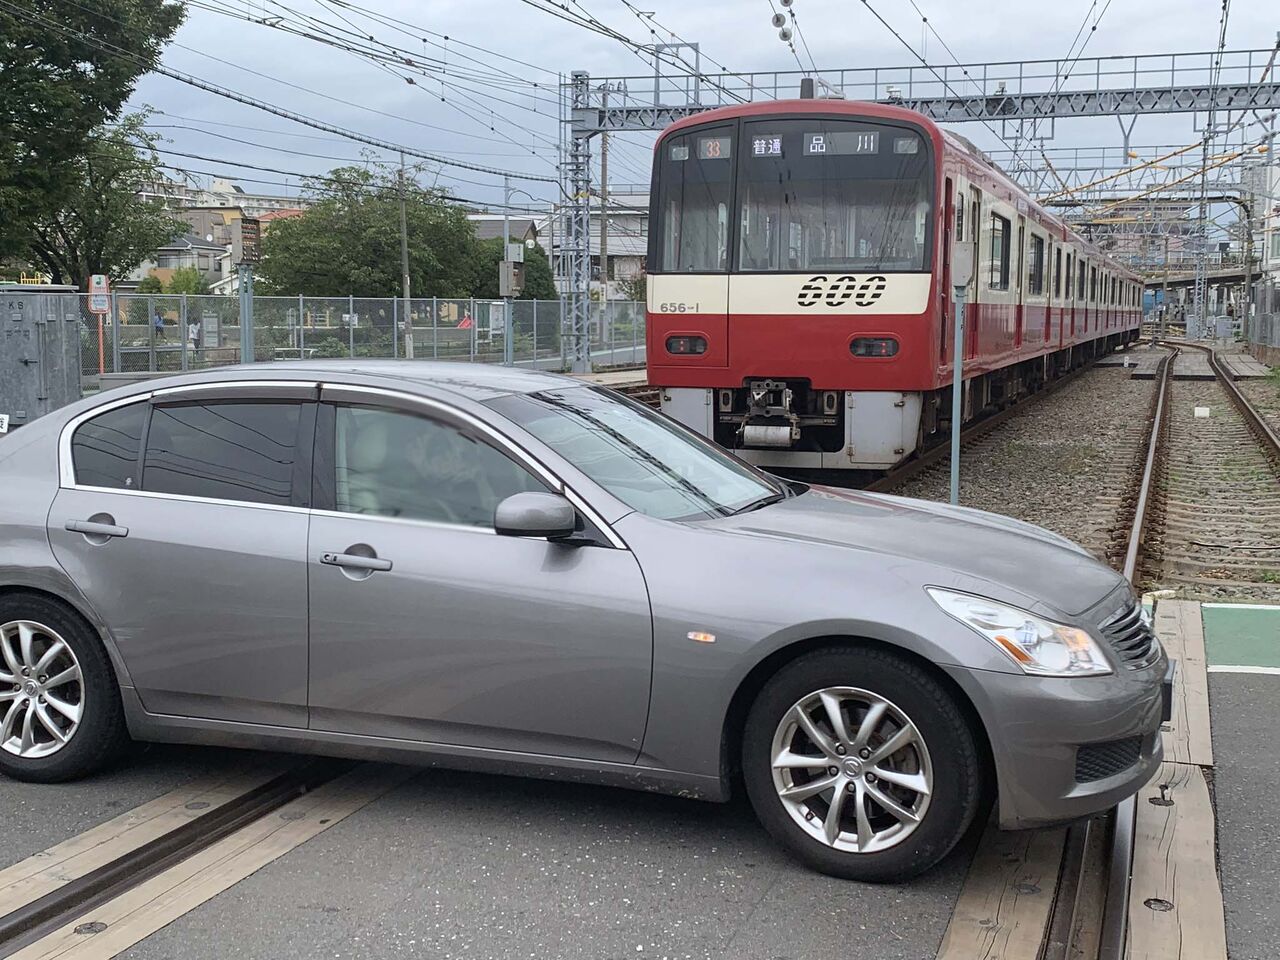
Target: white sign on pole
99,303
98,283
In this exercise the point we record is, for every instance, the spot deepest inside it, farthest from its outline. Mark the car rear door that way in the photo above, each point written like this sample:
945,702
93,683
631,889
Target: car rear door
426,625
183,520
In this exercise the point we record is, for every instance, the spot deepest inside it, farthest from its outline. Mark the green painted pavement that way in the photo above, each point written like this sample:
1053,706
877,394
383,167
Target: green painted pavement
1243,635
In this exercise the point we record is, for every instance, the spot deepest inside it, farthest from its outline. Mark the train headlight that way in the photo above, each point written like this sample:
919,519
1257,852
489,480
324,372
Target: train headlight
1038,646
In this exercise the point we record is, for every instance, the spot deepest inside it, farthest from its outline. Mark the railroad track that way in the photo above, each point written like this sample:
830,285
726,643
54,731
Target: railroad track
1218,499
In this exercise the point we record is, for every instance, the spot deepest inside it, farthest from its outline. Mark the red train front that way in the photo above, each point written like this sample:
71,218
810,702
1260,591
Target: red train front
798,258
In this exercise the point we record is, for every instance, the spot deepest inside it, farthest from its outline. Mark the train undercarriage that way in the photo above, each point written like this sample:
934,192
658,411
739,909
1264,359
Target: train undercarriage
786,425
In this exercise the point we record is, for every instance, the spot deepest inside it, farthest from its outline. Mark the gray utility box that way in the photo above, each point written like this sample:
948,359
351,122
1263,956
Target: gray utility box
39,350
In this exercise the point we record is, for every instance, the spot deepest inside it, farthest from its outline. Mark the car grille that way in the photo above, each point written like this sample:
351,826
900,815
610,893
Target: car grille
1131,638
1097,761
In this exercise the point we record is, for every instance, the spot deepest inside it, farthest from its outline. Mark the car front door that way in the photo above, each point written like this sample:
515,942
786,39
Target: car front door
183,520
426,625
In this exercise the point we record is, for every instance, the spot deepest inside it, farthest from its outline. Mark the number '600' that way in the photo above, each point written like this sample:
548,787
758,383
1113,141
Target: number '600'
840,290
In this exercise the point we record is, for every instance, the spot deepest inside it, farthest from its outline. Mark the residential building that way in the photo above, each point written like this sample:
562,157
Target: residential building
184,250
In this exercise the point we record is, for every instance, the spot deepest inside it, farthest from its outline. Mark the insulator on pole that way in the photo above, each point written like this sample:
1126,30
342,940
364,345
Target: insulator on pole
779,20
785,34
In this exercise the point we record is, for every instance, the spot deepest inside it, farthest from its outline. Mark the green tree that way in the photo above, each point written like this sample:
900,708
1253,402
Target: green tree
100,225
538,281
187,280
150,285
63,73
348,241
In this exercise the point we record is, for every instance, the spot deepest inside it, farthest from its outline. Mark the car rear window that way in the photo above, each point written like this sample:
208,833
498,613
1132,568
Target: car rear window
104,450
223,450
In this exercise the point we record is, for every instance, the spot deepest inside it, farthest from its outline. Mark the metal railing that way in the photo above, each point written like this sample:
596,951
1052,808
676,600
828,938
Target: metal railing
156,333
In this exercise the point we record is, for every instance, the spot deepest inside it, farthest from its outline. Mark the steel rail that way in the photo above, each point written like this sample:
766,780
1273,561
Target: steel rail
1256,421
44,915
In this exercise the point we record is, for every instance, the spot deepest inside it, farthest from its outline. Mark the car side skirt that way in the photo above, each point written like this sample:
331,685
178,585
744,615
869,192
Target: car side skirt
161,728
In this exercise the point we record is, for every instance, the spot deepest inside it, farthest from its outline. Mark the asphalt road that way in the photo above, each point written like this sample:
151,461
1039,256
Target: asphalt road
1244,712
467,865
37,816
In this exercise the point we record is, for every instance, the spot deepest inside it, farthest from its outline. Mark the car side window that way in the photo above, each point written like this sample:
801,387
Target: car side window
104,450
225,450
390,463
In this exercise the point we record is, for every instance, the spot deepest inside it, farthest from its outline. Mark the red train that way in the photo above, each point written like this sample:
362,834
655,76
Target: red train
799,307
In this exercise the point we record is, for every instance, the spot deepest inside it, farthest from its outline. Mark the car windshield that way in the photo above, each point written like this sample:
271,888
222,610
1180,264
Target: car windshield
645,460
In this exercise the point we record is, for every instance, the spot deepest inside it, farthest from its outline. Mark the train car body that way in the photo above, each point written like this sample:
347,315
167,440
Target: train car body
799,294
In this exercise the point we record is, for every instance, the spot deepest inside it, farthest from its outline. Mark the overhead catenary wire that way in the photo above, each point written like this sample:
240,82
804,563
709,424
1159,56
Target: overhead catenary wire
227,93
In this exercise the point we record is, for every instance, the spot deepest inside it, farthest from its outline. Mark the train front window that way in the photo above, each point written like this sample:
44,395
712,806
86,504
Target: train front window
695,183
833,195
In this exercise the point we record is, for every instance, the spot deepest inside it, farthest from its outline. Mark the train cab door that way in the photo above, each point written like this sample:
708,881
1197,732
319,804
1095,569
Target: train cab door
1019,307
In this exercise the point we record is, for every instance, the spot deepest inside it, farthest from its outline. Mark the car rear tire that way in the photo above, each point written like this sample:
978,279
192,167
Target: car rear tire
60,712
861,764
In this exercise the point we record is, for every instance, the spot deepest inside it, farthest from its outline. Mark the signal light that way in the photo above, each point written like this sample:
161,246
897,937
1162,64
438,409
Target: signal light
874,347
686,346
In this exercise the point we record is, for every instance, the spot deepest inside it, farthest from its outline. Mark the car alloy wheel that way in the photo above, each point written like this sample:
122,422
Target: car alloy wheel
42,690
852,769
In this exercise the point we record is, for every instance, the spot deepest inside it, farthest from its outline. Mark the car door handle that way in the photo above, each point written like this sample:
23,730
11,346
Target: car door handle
354,561
94,529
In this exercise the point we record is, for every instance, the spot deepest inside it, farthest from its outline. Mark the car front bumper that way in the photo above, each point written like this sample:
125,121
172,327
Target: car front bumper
1069,748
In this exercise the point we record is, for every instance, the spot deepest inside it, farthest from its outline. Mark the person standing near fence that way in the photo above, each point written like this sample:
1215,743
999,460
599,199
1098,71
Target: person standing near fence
193,335
158,324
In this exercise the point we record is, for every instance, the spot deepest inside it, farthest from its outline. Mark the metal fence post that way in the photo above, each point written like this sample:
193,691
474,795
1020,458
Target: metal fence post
435,328
182,330
395,328
302,330
115,334
151,325
475,326
351,325
535,332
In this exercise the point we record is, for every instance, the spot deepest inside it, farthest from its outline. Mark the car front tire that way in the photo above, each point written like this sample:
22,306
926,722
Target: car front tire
861,764
60,712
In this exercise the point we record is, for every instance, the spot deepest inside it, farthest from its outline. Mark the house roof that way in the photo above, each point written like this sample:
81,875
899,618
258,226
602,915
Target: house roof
189,241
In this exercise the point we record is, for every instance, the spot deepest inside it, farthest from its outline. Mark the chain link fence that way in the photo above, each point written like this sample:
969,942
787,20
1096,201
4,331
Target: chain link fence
1264,328
155,333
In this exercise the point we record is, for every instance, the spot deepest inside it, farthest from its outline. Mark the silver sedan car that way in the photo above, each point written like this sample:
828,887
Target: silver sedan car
517,572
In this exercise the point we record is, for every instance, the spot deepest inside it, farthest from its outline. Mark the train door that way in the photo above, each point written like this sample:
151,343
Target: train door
952,231
1068,330
1055,291
973,312
1019,307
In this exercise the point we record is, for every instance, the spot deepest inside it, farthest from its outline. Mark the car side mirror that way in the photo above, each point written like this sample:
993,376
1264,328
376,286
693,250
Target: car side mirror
535,515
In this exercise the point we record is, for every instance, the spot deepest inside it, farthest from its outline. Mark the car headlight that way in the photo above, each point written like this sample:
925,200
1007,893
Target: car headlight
1037,645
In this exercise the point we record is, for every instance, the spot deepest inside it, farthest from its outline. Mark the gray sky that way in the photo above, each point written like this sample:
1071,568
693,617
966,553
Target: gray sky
735,33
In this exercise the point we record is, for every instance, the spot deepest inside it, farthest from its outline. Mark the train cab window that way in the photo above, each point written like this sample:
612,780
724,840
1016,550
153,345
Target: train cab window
999,279
1035,277
1057,272
960,220
695,185
824,194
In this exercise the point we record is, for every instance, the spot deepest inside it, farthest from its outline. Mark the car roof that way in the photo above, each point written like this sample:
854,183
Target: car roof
473,381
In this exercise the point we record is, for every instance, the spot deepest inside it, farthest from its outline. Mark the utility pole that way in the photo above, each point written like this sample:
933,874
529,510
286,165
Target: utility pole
604,208
404,267
508,346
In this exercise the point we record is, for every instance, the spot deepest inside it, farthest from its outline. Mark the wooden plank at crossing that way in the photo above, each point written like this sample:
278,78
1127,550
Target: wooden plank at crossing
43,872
1003,909
1175,901
144,909
1179,627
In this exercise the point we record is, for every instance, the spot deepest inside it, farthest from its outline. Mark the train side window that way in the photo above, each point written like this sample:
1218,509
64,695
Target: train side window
960,220
999,279
1093,284
1035,281
1080,267
1057,272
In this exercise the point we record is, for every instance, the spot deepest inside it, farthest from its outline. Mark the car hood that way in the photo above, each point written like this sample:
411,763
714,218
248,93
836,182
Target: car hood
1024,559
